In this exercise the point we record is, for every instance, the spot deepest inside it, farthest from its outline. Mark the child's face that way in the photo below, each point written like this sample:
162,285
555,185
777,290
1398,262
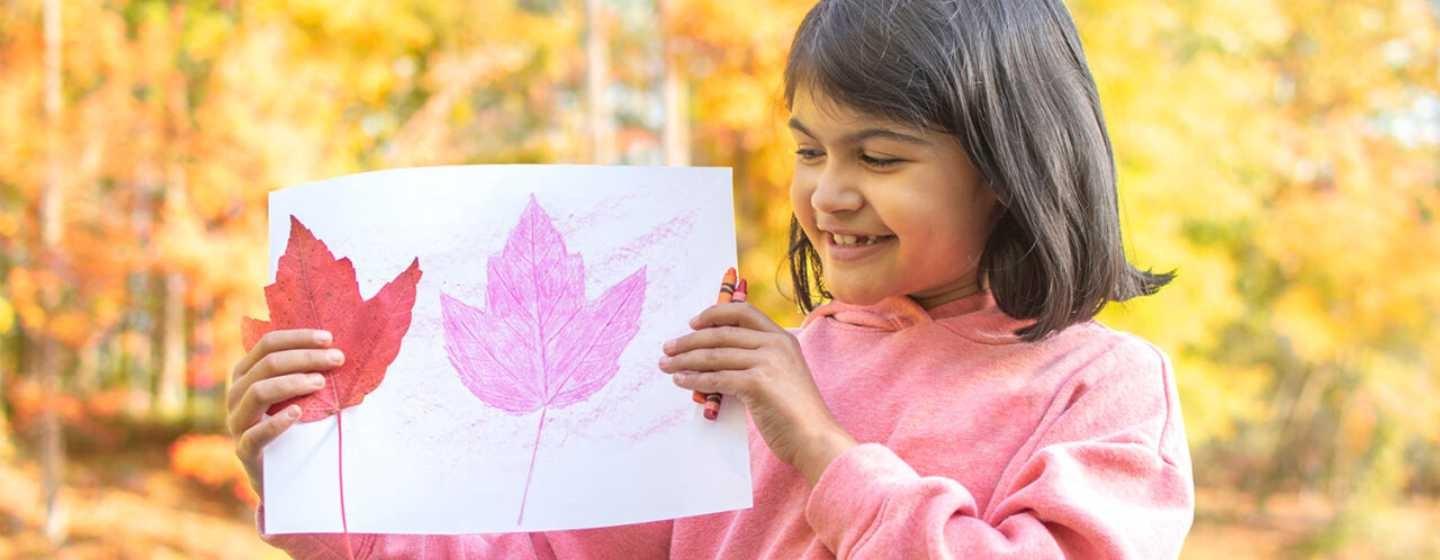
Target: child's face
914,199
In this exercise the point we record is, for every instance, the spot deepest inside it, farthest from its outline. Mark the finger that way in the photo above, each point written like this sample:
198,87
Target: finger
716,337
727,382
258,436
285,362
271,342
709,359
275,341
266,392
735,314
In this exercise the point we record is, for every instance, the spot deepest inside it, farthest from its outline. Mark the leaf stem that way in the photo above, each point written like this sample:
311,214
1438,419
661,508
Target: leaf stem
534,451
340,474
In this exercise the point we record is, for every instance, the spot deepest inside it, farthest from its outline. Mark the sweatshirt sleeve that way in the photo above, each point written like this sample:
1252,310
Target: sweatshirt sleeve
1109,476
640,541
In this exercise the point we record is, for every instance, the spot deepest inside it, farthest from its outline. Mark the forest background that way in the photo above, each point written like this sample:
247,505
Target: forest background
1282,155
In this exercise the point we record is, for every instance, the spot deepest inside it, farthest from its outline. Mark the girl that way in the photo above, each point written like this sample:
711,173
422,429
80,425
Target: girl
955,230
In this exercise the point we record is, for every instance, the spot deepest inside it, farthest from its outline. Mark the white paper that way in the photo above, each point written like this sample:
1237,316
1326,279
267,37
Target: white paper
425,455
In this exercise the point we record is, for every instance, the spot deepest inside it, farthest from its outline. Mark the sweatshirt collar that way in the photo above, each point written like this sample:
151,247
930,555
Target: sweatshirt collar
975,316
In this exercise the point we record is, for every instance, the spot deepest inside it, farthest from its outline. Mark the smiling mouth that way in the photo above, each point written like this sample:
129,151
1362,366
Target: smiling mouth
843,240
853,249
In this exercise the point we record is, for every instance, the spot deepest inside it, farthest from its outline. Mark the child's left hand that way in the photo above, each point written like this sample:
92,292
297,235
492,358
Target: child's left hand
737,350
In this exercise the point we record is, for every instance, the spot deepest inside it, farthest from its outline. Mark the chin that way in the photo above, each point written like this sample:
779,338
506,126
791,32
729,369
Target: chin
856,295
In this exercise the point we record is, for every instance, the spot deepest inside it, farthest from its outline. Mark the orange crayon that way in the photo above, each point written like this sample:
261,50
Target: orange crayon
712,400
727,290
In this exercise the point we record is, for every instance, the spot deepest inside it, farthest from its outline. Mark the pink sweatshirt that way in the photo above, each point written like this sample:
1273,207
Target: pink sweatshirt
974,445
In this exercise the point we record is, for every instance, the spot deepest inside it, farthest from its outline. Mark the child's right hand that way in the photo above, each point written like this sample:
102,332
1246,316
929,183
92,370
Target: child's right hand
282,365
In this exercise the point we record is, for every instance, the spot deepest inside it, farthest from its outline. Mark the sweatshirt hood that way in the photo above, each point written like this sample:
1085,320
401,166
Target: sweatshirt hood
976,317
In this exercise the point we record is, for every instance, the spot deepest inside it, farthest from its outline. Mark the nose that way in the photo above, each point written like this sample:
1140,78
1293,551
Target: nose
836,191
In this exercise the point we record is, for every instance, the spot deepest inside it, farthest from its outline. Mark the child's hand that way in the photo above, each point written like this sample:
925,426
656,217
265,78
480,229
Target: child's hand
282,365
737,350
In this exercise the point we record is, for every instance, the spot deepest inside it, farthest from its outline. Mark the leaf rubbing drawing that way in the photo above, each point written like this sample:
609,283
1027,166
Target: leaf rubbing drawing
314,290
539,344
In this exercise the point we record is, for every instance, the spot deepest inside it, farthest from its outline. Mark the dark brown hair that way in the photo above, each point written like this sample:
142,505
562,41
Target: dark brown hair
1009,80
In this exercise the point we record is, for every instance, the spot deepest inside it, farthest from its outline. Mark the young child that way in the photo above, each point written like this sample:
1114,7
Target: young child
955,203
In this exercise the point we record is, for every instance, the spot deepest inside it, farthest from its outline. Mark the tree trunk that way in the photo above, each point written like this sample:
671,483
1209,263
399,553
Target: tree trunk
676,135
87,367
173,391
204,399
4,412
52,437
52,456
597,84
170,393
139,287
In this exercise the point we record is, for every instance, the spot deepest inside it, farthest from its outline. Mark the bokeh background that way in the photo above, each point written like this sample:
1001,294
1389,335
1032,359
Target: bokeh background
1282,155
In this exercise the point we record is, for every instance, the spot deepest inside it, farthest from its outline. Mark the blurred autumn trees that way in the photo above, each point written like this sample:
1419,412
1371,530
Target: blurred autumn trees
1283,155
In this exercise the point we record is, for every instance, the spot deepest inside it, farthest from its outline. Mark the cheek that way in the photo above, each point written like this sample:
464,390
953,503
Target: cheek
800,192
941,238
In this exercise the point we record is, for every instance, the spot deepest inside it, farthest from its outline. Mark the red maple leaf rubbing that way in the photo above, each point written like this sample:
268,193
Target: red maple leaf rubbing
540,345
313,290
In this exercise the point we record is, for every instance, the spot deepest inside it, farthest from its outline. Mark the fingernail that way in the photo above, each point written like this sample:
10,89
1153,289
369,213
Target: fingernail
316,379
335,356
323,337
669,345
665,362
292,412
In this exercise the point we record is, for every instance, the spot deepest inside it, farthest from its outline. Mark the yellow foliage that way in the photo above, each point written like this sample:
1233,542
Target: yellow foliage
1215,400
9,225
1302,317
1175,317
7,448
7,315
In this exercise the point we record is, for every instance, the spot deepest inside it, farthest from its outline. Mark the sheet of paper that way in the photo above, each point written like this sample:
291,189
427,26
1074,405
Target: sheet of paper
444,444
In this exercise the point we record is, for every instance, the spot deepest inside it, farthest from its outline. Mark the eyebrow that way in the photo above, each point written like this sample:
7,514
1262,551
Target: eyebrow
866,134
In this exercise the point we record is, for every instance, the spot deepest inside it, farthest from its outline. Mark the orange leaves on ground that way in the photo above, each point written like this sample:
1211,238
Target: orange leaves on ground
210,460
89,417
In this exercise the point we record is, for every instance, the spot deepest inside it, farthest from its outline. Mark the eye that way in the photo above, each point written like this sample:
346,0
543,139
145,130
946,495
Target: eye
880,163
809,155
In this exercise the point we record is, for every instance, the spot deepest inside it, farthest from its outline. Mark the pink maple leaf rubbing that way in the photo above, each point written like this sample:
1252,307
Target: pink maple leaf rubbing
540,345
